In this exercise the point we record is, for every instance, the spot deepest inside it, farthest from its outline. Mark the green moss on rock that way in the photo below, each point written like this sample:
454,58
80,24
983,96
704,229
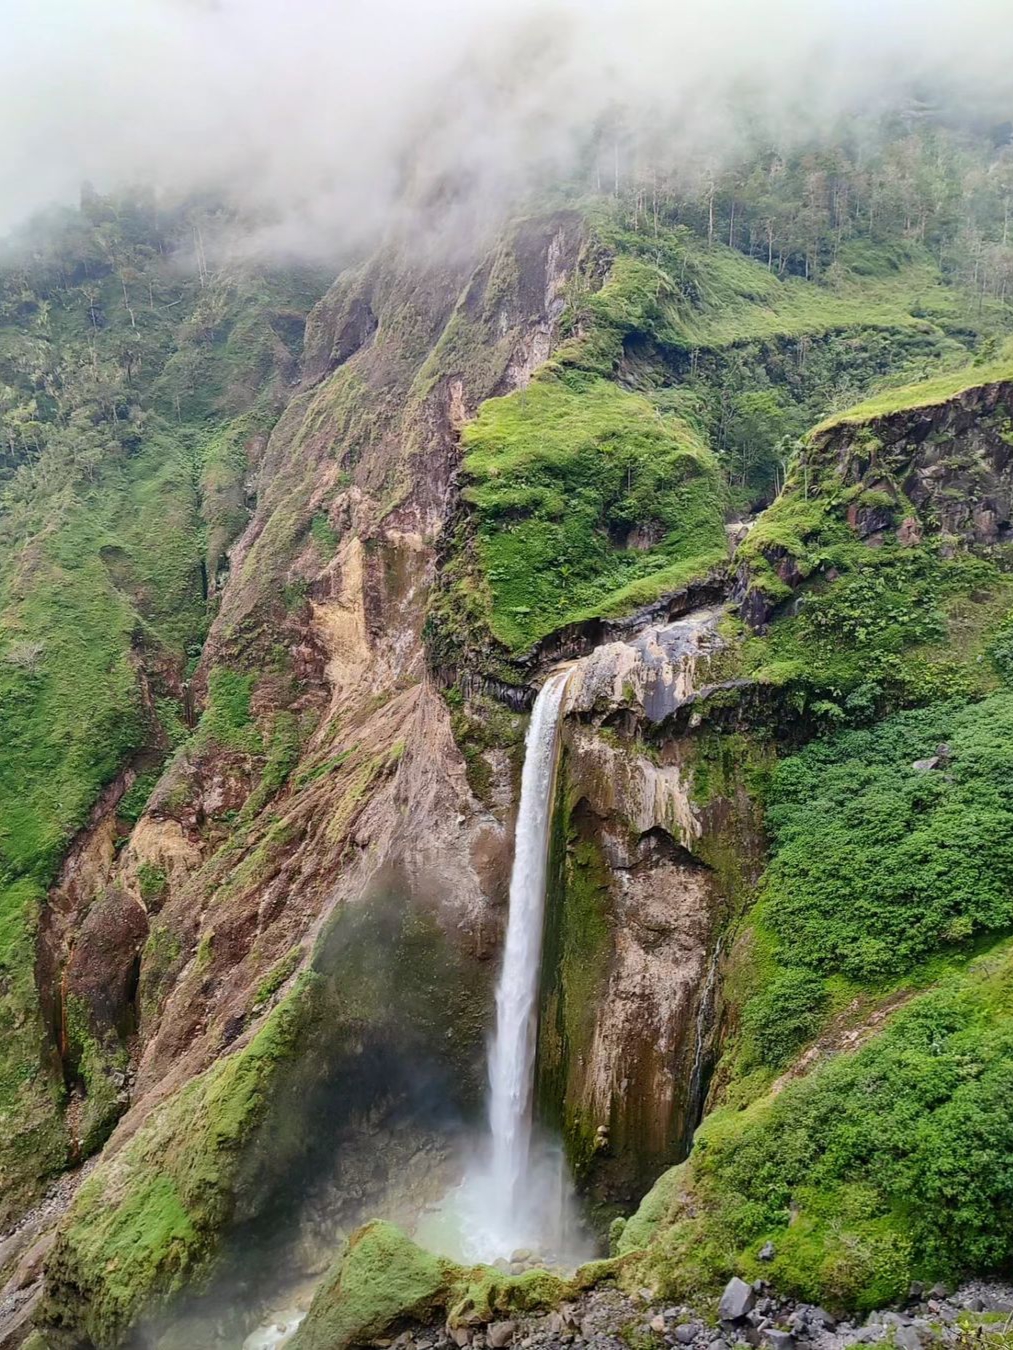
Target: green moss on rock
577,957
381,1281
380,1278
147,1221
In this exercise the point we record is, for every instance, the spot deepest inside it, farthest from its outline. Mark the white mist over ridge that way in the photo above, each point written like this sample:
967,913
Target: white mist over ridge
326,118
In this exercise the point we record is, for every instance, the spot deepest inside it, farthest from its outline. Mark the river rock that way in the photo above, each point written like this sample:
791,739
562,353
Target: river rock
907,1338
736,1301
780,1340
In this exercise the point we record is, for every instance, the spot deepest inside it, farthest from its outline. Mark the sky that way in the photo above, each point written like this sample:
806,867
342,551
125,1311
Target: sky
318,114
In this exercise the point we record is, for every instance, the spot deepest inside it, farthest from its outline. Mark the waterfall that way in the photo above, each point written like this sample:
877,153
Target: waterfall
516,1192
512,1054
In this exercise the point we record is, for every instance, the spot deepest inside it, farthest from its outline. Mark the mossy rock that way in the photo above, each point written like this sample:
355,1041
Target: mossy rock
382,1280
148,1220
379,1278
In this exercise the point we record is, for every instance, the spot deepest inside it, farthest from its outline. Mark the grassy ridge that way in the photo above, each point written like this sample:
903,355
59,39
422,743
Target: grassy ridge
561,474
700,296
926,393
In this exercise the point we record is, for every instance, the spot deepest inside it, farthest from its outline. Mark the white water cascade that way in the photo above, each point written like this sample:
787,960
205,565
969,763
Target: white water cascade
512,1055
517,1193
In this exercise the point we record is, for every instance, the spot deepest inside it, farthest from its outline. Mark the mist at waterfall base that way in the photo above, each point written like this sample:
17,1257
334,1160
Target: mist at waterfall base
517,1194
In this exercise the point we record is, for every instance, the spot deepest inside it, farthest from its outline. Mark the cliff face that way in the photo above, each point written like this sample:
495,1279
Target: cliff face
322,773
272,967
640,891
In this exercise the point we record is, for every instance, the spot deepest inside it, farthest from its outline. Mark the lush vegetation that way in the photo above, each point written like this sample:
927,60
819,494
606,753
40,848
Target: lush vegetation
988,369
889,846
738,327
129,386
891,841
881,1166
581,489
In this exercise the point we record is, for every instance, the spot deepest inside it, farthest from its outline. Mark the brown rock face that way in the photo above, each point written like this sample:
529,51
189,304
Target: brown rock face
103,966
324,779
953,462
637,897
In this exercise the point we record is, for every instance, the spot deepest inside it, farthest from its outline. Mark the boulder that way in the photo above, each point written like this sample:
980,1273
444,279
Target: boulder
736,1301
907,1338
925,766
499,1334
780,1340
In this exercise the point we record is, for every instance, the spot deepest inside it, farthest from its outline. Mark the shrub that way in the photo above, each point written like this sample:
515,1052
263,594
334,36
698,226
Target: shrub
877,863
786,1014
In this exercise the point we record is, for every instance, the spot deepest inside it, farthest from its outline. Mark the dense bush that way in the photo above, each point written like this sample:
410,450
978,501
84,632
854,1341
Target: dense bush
919,1119
886,1165
785,1014
877,863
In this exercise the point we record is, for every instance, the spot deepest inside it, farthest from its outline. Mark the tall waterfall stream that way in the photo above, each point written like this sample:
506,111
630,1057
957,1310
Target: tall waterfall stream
516,1194
516,1202
512,1055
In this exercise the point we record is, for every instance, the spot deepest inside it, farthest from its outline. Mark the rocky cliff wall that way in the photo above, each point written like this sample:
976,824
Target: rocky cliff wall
640,891
322,774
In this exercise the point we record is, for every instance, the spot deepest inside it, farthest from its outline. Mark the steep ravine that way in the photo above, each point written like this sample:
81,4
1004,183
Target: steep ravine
296,942
323,776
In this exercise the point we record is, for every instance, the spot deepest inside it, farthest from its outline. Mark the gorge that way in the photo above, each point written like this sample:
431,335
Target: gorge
506,747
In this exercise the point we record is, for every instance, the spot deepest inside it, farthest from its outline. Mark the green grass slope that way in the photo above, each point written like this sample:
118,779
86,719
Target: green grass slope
882,1166
128,388
561,474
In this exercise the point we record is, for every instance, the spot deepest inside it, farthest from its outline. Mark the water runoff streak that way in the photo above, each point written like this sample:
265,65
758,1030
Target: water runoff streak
517,1193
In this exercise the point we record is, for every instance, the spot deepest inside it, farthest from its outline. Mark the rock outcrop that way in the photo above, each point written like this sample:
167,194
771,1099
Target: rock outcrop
637,898
940,474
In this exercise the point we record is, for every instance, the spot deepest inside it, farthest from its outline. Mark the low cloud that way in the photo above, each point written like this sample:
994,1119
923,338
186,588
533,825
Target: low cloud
325,119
